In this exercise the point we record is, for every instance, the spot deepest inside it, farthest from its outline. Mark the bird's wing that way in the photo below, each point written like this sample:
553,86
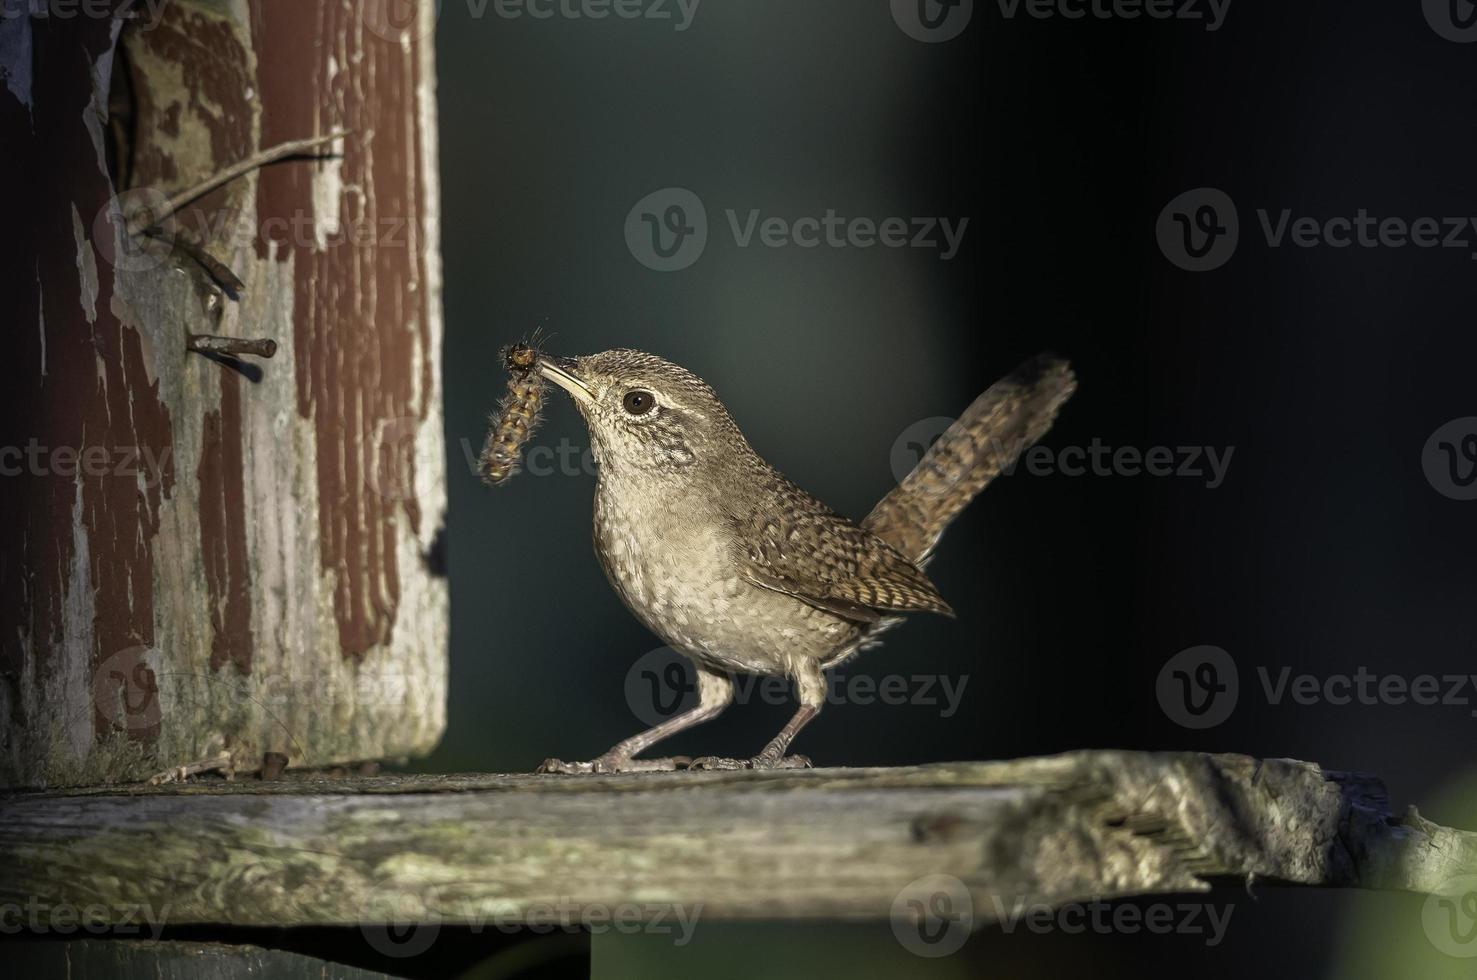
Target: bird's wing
795,545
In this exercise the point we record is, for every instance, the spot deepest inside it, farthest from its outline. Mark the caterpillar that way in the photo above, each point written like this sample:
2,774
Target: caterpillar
517,416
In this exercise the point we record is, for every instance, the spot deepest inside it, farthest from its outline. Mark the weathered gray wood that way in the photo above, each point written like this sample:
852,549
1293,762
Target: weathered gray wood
123,959
835,843
203,557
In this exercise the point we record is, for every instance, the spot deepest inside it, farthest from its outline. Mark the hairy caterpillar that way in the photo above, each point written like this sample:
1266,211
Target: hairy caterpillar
517,416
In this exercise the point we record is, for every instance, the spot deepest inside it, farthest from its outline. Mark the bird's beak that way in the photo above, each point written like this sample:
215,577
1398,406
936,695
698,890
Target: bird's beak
560,370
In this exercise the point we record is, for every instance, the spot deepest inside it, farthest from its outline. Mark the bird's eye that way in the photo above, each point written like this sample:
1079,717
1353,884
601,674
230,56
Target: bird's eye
638,402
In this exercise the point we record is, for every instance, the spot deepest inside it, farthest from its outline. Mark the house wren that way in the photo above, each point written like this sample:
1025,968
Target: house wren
731,564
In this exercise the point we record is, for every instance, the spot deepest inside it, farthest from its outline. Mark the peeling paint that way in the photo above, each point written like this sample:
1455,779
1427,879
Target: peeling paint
223,544
78,543
15,57
86,268
41,318
362,318
71,682
95,116
255,537
328,191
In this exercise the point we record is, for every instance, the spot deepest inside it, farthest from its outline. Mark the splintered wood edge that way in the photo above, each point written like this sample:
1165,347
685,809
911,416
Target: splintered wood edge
824,843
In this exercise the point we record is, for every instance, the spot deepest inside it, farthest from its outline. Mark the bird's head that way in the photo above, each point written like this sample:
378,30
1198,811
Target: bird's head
645,413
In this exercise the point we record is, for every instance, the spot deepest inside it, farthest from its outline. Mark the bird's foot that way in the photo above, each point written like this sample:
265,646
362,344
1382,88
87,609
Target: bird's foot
220,762
761,761
610,762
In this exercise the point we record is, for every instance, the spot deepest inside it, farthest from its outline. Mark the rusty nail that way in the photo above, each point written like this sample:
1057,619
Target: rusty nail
206,344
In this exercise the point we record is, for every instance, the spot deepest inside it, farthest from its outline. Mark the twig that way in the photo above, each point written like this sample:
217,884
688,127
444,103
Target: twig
178,774
217,270
147,217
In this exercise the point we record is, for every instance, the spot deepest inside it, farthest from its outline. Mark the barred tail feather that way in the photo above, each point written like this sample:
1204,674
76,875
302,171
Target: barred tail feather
987,439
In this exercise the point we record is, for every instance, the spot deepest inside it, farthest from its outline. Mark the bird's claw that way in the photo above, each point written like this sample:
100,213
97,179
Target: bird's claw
549,766
610,763
713,762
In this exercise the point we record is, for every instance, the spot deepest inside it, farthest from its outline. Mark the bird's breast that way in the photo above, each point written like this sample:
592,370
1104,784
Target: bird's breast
666,562
670,563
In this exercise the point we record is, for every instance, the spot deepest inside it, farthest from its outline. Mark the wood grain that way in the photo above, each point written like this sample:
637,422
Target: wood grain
829,843
246,564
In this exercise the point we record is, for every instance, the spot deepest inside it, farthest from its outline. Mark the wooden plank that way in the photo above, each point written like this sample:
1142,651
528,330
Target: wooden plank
828,843
123,959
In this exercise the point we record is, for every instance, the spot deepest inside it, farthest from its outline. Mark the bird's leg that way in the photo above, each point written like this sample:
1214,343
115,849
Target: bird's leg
714,692
811,686
773,756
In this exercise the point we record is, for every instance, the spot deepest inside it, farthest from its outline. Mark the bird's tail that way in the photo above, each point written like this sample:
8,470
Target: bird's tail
988,438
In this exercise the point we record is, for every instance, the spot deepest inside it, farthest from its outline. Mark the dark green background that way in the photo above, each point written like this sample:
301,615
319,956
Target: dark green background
1326,549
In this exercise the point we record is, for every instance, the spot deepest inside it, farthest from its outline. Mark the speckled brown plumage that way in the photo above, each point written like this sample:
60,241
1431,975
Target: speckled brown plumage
790,542
741,570
993,431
